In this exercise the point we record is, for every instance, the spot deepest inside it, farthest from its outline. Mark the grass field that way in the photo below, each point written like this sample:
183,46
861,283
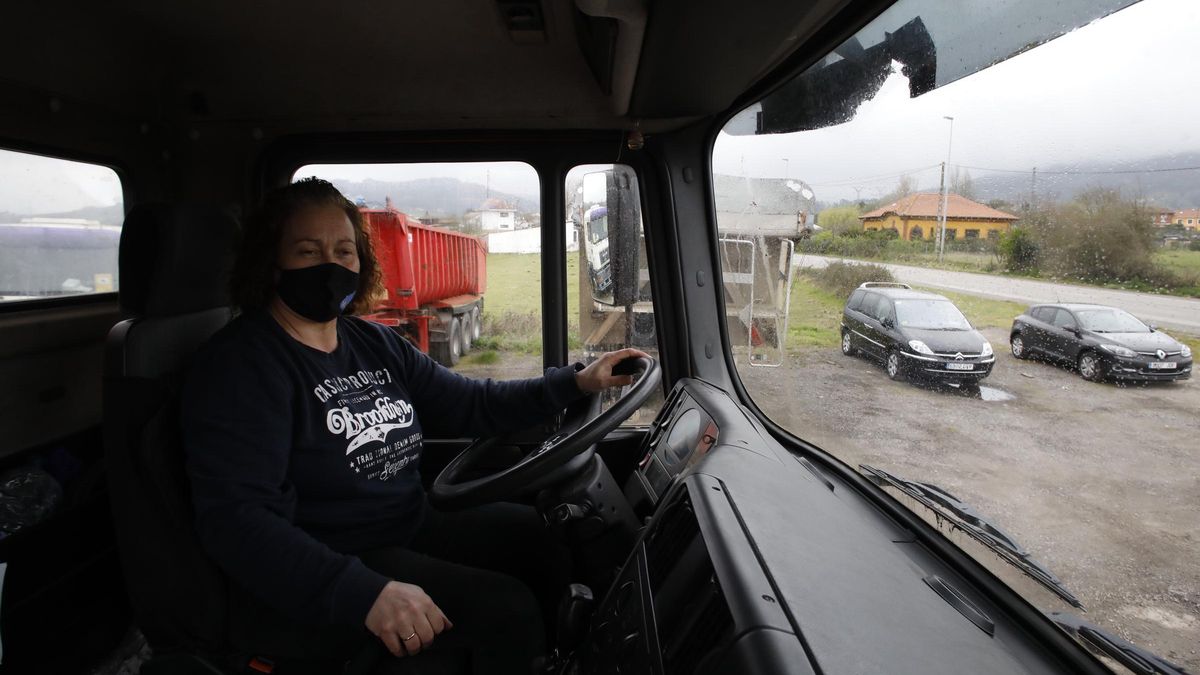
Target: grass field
815,315
1186,264
1183,262
512,309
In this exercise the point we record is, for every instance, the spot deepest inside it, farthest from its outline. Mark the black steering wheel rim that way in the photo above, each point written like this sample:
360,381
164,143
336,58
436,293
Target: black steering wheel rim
560,450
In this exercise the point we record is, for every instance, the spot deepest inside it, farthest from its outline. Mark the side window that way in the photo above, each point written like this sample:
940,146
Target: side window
870,305
609,303
60,224
1064,319
887,312
459,246
855,301
1038,313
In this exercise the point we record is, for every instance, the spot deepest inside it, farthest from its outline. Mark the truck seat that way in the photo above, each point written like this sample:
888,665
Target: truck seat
173,269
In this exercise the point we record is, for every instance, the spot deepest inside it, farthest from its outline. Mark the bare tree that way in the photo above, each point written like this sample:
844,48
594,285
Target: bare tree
961,183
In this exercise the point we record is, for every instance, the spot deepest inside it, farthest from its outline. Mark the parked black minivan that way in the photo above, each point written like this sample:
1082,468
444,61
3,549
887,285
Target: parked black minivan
914,333
1101,341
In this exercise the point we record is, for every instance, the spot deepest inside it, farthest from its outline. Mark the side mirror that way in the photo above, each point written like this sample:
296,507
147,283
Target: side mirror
887,322
1152,327
612,234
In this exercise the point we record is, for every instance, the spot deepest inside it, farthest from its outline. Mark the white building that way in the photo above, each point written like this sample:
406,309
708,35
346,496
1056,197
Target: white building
496,220
528,240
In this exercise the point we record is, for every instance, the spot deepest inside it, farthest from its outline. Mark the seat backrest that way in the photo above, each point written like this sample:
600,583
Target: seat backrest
174,269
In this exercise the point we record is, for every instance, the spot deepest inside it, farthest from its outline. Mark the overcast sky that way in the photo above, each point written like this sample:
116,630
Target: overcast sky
512,177
1123,88
30,184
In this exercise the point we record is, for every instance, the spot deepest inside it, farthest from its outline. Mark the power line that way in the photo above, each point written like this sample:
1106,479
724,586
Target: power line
1082,173
871,179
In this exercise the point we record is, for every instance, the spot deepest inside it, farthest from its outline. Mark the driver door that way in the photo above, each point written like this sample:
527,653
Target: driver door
1062,341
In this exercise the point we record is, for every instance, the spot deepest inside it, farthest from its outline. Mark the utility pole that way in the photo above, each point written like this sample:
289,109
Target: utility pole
943,214
1033,190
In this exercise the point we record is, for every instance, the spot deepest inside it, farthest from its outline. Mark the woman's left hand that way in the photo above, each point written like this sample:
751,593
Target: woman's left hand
598,376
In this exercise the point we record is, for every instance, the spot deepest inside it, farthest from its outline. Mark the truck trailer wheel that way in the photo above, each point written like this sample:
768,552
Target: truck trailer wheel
448,351
467,328
476,324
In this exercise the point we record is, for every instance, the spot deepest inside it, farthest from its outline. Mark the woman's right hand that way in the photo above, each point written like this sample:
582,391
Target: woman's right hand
402,610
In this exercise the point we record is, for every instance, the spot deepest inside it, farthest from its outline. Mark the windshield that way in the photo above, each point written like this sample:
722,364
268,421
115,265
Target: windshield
1110,321
598,228
999,155
930,315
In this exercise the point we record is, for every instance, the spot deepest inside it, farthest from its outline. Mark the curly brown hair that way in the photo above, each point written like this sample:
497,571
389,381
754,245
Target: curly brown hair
253,278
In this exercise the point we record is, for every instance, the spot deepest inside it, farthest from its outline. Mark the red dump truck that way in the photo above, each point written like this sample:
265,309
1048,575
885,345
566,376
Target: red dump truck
435,280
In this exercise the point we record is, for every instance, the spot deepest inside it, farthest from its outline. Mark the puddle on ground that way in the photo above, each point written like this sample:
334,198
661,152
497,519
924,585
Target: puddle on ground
979,391
994,394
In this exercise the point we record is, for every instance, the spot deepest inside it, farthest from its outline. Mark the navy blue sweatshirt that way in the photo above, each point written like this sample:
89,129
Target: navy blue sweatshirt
298,459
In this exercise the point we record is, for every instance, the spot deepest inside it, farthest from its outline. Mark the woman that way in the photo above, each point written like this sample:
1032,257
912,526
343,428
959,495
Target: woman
303,431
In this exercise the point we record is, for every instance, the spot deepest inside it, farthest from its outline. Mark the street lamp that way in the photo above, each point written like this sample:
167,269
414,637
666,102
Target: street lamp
941,242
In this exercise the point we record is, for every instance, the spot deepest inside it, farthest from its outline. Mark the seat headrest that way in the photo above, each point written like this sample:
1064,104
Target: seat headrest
176,259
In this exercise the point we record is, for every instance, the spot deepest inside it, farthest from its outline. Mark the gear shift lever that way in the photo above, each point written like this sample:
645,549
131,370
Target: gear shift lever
574,612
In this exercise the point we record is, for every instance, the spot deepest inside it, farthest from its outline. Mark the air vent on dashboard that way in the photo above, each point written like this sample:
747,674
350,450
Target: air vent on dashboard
674,530
692,619
659,426
705,625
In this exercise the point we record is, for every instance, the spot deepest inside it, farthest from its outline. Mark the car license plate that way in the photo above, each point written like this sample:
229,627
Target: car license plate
960,366
1163,365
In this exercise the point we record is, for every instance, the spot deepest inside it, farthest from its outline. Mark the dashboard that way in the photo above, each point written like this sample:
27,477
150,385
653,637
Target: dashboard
754,560
682,434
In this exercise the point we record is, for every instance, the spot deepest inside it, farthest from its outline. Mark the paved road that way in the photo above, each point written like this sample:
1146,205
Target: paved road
1167,311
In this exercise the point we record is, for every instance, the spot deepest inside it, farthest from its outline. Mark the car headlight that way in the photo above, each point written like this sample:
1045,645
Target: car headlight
1119,350
919,347
1186,352
987,349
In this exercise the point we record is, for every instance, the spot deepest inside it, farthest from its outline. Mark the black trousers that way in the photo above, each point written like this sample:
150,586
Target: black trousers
493,570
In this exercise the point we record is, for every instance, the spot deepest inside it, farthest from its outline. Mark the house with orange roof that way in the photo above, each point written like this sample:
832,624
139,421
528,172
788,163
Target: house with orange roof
915,217
1188,218
1160,217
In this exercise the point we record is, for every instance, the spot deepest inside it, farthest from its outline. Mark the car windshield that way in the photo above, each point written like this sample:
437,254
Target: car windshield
930,315
1110,321
598,228
1000,155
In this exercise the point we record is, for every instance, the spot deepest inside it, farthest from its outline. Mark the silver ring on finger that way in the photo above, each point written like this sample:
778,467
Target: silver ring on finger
414,634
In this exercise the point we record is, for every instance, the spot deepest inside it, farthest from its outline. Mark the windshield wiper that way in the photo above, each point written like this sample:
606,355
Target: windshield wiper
1129,655
967,519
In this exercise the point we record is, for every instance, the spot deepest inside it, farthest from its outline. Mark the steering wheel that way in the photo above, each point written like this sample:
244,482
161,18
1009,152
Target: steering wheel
562,454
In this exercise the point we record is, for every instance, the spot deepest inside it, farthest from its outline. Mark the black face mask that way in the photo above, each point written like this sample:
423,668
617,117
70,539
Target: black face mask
317,293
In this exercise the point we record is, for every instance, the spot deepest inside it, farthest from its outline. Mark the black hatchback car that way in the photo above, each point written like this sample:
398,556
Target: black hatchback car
1101,341
914,333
